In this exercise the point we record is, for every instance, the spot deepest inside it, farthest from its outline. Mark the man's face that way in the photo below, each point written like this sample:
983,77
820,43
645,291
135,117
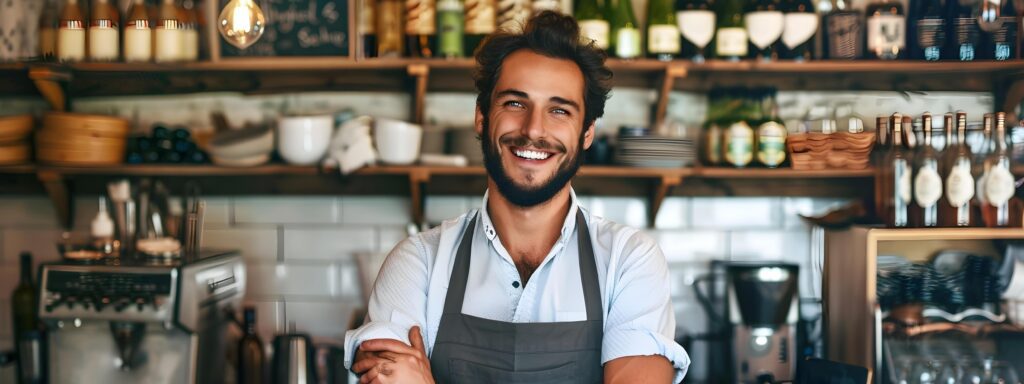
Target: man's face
533,135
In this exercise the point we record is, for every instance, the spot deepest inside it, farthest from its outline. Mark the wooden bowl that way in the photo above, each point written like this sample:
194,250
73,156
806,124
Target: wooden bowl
78,157
15,154
15,128
80,124
54,139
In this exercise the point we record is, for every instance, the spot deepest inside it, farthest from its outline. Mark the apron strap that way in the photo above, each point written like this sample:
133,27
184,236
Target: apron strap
588,270
460,271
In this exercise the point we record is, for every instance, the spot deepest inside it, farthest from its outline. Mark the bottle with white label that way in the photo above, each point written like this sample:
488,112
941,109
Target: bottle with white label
696,22
981,156
167,34
801,24
104,43
897,182
731,35
999,184
927,179
190,30
663,36
593,25
959,179
886,30
138,35
764,21
71,33
625,31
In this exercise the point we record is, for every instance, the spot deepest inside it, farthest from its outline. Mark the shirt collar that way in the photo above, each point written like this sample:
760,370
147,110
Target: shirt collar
568,224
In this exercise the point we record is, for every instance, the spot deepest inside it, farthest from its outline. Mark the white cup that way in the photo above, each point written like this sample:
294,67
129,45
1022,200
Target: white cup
398,142
303,140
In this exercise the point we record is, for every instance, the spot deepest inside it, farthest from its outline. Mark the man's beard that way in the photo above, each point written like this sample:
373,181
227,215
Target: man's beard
526,196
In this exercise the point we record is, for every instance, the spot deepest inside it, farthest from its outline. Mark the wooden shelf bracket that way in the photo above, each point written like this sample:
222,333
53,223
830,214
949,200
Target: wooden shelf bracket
51,82
673,71
57,188
418,179
662,188
420,72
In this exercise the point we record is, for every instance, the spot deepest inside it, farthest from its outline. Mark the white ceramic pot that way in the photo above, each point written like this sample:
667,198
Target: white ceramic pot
398,142
303,140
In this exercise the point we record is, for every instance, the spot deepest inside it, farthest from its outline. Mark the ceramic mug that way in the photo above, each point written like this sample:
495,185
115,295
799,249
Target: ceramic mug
303,140
398,142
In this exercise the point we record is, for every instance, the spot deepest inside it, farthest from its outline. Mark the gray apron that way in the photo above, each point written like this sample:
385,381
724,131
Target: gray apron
470,349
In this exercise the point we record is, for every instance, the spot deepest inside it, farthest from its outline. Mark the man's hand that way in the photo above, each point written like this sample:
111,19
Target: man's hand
381,361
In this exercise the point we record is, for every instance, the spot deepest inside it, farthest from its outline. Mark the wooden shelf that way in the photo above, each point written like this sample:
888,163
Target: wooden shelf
656,184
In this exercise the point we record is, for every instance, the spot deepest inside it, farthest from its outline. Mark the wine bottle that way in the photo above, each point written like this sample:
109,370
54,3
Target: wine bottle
731,35
420,27
999,185
801,23
593,25
981,156
389,28
697,25
168,34
251,360
368,27
765,22
959,180
930,30
897,174
451,21
662,30
886,30
965,36
844,32
625,31
771,134
1002,33
480,22
48,25
927,180
190,41
138,35
103,35
26,326
71,33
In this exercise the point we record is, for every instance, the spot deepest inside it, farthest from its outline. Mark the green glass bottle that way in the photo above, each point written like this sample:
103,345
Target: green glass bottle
662,31
451,22
625,31
731,36
593,24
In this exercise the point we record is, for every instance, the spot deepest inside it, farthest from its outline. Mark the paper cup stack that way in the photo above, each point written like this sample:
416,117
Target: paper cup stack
15,147
81,139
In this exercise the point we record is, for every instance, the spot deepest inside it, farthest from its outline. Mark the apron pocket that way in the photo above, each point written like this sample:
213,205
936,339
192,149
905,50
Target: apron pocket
469,372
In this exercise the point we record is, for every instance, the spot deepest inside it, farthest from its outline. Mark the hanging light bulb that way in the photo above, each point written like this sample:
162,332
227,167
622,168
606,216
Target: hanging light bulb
241,23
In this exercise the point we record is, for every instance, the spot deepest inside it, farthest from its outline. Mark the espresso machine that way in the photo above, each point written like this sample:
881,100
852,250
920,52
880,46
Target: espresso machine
141,320
764,311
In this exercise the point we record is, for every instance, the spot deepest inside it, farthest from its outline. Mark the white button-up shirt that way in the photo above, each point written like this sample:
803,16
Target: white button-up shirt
632,272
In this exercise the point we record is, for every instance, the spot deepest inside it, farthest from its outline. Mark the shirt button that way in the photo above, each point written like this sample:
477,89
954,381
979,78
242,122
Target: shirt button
515,284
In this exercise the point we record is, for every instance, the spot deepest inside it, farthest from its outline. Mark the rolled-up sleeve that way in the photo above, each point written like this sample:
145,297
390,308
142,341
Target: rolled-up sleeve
398,300
639,319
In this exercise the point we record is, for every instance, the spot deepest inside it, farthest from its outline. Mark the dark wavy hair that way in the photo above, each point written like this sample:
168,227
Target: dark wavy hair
553,35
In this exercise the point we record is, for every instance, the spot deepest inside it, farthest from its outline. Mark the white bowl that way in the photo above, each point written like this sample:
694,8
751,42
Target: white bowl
398,142
303,140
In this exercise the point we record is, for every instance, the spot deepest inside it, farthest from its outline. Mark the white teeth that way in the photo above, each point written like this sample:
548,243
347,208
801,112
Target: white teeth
532,155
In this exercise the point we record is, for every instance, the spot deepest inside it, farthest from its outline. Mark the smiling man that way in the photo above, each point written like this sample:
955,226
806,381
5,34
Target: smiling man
532,288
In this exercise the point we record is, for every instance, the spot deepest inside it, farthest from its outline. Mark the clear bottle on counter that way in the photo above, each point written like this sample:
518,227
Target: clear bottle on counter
189,30
927,179
999,186
104,40
451,22
71,33
138,35
49,21
168,34
896,181
959,180
389,28
102,231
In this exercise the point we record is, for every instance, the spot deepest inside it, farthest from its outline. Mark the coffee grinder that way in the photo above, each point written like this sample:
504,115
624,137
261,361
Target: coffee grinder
763,312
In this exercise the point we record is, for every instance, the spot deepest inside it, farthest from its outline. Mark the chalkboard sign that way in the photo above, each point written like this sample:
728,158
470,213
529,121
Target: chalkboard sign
298,28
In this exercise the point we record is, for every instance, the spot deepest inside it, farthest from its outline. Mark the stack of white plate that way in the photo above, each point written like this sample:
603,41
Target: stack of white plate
655,151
